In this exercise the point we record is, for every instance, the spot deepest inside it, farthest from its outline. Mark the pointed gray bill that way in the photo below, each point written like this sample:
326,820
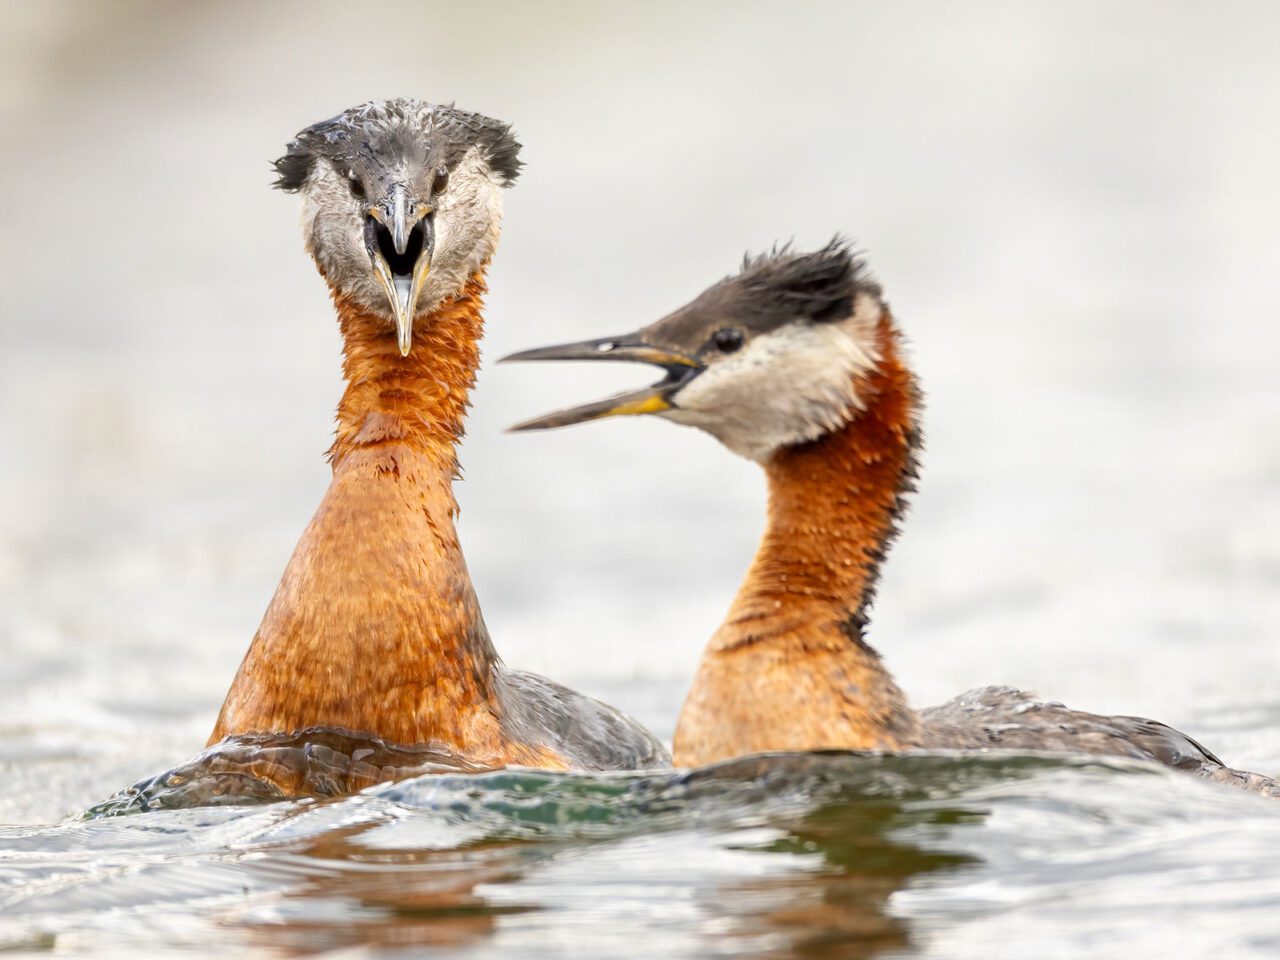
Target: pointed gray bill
401,247
680,369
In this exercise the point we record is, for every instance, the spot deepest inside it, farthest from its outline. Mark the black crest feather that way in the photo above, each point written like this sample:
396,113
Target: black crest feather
772,290
818,286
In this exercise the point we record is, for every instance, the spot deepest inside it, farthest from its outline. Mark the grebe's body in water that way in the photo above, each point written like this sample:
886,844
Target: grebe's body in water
796,363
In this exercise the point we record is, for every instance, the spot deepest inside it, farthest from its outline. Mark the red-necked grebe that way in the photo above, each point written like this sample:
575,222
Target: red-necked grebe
796,362
375,627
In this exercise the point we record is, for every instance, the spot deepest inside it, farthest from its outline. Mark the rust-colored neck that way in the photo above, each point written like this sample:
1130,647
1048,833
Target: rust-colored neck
832,510
375,627
417,401
789,669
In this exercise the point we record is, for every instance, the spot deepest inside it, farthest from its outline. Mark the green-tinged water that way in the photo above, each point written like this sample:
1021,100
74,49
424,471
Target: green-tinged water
826,855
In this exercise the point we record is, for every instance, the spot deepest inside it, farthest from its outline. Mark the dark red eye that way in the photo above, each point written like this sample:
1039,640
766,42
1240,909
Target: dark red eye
440,182
727,339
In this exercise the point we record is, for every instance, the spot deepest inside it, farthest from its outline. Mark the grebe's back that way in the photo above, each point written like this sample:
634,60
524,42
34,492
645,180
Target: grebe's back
1002,718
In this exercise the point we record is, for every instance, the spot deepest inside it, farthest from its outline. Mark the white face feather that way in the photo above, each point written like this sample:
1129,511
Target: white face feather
468,223
788,386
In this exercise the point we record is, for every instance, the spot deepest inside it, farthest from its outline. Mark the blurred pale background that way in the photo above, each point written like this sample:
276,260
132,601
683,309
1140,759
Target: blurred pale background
1073,207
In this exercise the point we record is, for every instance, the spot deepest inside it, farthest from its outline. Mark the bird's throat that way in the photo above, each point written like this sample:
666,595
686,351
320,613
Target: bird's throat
417,401
375,627
832,509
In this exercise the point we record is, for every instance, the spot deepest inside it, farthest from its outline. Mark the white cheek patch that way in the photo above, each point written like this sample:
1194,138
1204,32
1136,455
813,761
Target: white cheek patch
785,387
333,230
468,225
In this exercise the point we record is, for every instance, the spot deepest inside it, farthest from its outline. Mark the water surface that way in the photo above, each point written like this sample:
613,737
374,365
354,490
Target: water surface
829,855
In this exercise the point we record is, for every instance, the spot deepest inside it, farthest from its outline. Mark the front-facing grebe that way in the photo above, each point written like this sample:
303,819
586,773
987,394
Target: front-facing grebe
796,363
375,628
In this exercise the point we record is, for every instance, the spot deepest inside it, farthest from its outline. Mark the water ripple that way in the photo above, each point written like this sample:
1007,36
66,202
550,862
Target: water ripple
831,854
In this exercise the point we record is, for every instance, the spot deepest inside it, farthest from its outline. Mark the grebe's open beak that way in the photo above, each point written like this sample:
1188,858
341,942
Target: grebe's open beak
400,237
680,369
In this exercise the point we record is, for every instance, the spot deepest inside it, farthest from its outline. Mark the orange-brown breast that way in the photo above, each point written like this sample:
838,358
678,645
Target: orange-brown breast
789,668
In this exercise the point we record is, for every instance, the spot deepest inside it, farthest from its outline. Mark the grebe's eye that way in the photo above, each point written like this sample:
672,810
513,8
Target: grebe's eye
356,184
440,182
727,339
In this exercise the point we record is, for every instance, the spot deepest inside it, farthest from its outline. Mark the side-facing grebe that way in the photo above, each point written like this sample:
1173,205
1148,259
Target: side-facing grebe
796,363
375,627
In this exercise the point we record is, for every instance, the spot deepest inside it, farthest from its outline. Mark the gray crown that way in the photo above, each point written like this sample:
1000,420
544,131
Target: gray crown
364,137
